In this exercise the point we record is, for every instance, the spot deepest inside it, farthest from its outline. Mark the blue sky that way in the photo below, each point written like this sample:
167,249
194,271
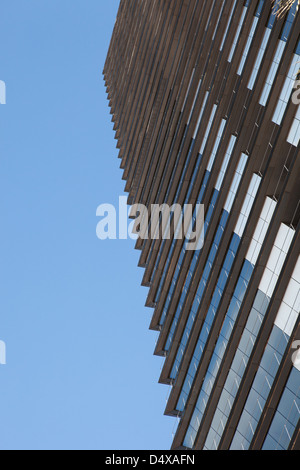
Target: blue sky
80,370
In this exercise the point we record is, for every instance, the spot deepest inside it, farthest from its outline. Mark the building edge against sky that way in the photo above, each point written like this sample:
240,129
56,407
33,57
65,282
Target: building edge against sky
201,97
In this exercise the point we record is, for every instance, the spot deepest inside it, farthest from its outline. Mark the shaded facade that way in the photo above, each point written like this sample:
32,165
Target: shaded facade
201,96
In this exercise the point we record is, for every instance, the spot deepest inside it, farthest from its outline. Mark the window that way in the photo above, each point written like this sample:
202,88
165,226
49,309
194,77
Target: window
287,89
259,308
238,31
287,415
294,135
278,54
250,37
269,365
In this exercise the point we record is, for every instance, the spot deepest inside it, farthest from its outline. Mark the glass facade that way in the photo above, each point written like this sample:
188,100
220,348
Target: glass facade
269,365
287,415
238,31
250,37
294,135
228,25
208,217
263,47
249,336
182,179
278,54
213,252
249,200
183,176
288,87
203,187
230,320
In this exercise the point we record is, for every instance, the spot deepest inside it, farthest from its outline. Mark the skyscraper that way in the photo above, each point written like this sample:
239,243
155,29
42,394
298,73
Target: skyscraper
205,107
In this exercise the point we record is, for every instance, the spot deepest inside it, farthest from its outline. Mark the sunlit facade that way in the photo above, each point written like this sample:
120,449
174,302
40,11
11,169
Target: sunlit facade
202,97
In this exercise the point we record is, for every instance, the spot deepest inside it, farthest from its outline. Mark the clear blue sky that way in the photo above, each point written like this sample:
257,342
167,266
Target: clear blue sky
80,370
